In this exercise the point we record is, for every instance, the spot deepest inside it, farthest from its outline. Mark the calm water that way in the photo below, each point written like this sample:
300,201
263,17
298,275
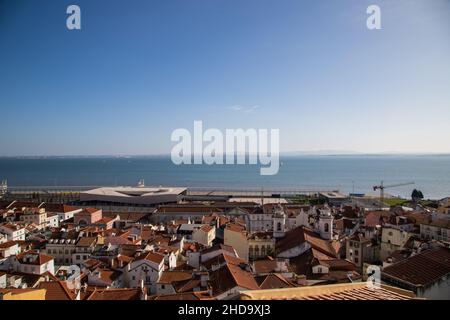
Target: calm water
431,174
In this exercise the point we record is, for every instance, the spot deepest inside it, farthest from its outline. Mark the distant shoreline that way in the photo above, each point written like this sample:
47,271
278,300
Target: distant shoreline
283,155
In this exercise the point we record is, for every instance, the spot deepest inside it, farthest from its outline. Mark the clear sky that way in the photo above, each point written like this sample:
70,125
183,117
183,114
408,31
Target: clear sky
140,69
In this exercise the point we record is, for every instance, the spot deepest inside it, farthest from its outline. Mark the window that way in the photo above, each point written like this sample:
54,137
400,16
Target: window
356,252
327,227
163,286
279,226
78,257
356,260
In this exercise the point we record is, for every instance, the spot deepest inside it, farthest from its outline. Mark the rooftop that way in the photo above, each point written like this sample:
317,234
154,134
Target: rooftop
33,258
133,195
151,256
297,236
421,269
57,290
352,291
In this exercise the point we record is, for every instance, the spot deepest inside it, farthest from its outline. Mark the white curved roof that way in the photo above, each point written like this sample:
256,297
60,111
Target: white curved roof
133,195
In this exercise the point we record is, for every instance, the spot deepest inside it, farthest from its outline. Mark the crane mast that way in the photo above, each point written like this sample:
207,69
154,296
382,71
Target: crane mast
382,186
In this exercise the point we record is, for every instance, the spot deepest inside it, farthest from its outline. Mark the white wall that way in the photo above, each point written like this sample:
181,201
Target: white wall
3,281
440,290
294,252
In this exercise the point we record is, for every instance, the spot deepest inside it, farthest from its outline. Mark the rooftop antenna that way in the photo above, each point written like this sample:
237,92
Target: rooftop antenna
353,193
262,196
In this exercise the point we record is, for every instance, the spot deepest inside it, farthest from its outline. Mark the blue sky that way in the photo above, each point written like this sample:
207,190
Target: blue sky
140,69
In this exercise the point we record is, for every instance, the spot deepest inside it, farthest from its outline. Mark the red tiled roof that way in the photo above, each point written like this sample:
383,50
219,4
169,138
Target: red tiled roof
297,236
107,275
175,276
235,227
91,210
273,281
419,218
231,276
421,269
104,220
92,263
353,291
55,207
441,223
206,228
113,294
265,265
86,241
217,247
151,256
12,226
192,246
8,244
38,258
57,290
374,218
198,295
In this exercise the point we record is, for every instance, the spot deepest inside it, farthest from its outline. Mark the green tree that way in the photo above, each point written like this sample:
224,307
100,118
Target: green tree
416,195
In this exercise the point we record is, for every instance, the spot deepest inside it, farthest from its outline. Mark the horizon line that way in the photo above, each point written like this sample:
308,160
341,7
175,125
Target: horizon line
286,153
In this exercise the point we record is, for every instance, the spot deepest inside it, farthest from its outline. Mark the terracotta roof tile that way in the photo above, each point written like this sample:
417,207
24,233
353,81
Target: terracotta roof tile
151,256
57,290
352,291
114,294
297,236
34,257
421,269
175,276
273,281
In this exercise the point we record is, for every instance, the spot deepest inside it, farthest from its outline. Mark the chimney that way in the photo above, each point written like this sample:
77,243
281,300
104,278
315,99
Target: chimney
143,294
204,278
281,266
210,292
301,280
